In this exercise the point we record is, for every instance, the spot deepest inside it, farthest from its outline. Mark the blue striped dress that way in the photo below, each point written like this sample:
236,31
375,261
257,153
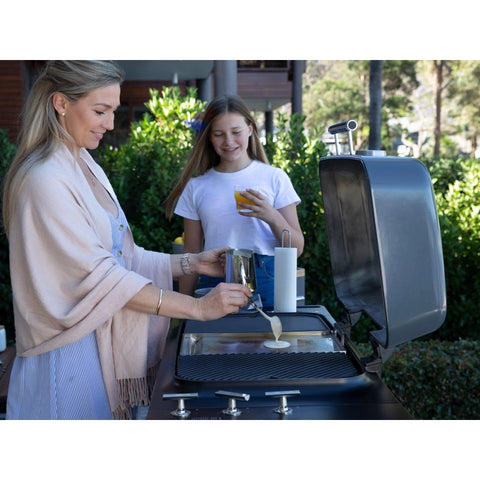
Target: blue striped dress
65,383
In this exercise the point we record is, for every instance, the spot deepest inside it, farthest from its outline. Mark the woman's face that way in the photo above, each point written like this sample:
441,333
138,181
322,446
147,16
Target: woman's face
229,136
87,119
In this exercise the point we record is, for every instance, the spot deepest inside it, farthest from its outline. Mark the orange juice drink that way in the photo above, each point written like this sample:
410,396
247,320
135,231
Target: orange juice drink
240,198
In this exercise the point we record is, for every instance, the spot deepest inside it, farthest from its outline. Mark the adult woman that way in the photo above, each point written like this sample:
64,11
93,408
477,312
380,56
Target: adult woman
91,308
226,153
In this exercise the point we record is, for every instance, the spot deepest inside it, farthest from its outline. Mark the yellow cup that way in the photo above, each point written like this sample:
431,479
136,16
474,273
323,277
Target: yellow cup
240,198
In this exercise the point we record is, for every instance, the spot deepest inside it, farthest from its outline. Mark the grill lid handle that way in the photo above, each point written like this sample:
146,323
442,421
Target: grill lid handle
349,126
342,127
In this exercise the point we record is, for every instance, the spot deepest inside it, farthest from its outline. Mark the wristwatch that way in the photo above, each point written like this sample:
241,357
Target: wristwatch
185,263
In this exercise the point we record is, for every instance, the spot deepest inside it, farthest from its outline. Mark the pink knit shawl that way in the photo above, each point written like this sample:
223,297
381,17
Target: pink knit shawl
66,282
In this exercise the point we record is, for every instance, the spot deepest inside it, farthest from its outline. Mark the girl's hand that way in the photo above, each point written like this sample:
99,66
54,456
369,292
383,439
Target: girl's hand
277,220
260,209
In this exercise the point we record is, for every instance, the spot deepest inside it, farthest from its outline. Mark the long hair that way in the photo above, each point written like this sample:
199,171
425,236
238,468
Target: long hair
203,155
41,133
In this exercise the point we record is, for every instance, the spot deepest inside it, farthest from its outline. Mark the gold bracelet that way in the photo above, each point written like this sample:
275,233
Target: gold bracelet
159,304
185,263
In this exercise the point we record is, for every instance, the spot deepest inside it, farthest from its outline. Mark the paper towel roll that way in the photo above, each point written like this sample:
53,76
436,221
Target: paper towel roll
285,280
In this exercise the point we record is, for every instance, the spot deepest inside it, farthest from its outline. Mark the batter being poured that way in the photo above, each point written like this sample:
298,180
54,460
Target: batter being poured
276,325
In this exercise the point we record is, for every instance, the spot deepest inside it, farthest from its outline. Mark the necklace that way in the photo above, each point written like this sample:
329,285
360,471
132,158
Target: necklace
88,174
101,194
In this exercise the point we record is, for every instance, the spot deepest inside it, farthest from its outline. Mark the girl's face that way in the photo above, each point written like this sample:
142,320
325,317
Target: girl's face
229,136
87,119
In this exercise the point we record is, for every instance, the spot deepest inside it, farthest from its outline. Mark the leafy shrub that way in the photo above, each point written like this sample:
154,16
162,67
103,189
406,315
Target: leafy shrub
444,171
298,156
456,183
436,380
7,152
145,168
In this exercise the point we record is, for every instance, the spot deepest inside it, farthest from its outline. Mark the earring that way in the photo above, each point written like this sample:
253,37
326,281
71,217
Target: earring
63,114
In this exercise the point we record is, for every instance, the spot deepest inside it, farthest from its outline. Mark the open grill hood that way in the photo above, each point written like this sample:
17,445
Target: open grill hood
385,245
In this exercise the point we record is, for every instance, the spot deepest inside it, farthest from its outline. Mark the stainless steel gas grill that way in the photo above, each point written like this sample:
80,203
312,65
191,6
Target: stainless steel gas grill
209,365
387,264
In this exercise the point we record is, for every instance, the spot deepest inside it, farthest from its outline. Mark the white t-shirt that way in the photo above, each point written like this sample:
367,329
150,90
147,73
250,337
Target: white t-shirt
210,199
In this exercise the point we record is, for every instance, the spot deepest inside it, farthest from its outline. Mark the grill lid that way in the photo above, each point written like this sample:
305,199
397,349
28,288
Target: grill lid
385,244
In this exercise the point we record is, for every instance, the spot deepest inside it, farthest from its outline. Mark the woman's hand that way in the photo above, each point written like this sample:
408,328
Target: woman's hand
210,262
224,299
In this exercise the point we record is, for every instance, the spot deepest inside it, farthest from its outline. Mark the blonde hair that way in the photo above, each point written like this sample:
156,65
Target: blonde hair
41,133
203,156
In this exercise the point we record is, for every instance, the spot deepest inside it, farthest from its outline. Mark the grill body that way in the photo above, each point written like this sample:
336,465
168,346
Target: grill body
330,382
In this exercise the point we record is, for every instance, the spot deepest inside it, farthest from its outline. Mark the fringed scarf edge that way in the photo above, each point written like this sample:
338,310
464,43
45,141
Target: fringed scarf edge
134,392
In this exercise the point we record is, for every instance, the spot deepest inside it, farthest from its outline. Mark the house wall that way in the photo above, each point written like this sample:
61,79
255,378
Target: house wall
12,96
264,85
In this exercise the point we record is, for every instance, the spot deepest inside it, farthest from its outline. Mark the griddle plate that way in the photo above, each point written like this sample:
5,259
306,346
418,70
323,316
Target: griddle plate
265,366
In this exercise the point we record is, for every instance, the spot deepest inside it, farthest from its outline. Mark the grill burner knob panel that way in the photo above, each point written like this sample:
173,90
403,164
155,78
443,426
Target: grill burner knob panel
282,408
180,412
232,404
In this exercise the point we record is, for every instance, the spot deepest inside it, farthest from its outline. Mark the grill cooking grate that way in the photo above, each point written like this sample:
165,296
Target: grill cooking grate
265,366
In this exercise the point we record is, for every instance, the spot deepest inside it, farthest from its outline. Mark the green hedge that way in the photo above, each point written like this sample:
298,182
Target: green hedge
7,152
145,168
435,379
456,184
298,155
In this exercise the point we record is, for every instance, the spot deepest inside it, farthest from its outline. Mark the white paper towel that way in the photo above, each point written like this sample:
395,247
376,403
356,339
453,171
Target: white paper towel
285,280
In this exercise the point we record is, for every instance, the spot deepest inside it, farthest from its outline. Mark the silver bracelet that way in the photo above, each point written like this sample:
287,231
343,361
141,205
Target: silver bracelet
185,263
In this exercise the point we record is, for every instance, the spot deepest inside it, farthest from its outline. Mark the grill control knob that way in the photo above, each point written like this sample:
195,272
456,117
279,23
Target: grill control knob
232,404
282,408
180,412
